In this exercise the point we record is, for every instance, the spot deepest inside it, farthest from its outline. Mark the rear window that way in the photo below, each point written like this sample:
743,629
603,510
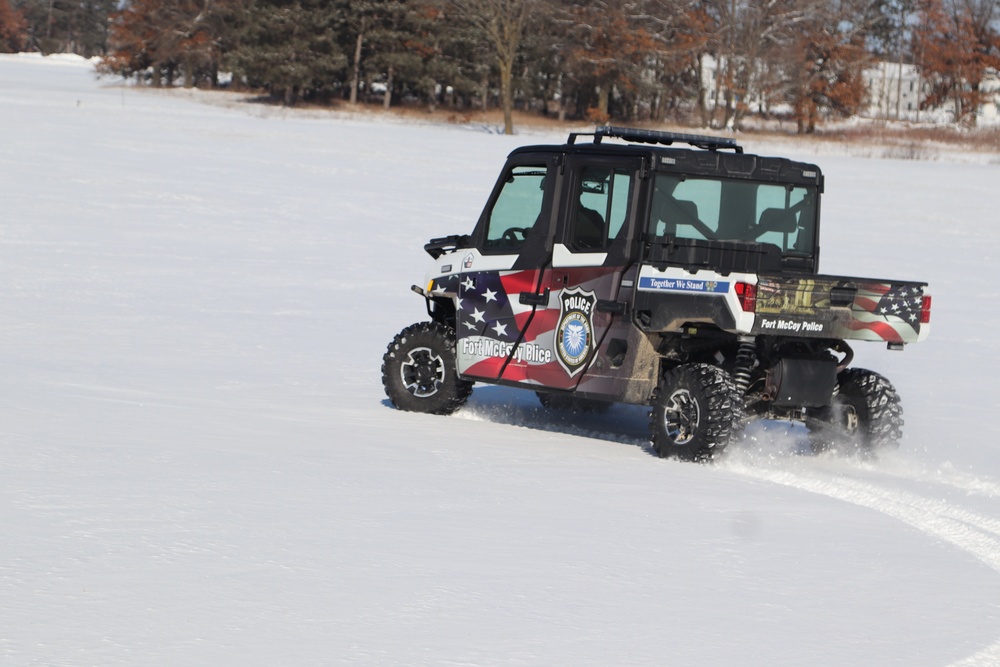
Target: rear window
734,210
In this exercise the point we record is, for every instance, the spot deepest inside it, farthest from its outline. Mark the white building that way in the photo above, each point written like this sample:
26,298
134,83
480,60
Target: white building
895,92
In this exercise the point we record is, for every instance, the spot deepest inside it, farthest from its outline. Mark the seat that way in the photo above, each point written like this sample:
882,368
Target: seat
589,231
673,212
781,220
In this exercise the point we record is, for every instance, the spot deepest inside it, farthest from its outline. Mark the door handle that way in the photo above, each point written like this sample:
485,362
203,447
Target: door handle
613,307
529,299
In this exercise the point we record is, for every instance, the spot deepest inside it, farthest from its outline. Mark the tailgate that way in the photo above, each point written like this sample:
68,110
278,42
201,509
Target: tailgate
848,308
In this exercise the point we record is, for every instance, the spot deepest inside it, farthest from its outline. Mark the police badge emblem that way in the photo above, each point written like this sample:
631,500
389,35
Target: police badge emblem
575,332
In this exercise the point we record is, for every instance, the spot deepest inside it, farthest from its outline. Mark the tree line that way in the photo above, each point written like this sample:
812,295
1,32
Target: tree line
710,62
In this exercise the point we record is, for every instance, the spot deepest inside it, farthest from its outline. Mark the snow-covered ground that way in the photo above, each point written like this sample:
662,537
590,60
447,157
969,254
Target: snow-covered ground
198,465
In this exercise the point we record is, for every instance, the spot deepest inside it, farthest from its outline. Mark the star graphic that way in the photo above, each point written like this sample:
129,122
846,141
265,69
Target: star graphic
501,329
469,325
468,284
903,302
477,315
490,295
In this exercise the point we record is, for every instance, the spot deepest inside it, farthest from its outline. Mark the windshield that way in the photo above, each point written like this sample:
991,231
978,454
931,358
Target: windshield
517,209
734,210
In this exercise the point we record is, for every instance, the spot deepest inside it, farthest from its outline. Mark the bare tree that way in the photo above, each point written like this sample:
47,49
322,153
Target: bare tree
958,45
503,23
752,40
683,31
12,28
164,37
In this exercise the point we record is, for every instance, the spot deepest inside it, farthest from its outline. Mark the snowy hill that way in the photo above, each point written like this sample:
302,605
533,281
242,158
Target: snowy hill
199,466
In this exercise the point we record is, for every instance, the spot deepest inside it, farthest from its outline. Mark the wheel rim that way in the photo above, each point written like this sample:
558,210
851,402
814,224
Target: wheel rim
681,417
849,420
423,372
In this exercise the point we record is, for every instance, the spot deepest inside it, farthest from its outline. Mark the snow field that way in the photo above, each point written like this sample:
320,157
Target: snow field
199,466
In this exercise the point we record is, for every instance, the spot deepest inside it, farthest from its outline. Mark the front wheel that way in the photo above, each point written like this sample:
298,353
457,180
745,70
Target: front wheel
692,414
419,371
865,415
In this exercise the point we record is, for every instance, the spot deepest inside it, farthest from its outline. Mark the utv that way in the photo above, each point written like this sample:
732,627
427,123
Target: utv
685,279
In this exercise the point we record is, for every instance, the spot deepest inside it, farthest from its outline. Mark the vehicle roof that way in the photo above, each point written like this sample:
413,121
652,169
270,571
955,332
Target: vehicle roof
711,156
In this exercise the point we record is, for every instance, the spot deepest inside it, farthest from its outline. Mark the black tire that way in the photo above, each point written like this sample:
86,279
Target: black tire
739,412
554,401
864,416
419,373
692,414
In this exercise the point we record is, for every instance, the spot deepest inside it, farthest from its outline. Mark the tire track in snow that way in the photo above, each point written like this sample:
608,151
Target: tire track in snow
975,534
971,484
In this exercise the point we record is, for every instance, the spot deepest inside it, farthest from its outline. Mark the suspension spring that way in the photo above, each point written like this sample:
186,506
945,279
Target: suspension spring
746,357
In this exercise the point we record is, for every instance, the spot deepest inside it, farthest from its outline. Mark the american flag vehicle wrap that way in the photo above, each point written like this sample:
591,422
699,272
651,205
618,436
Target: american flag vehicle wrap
893,313
551,342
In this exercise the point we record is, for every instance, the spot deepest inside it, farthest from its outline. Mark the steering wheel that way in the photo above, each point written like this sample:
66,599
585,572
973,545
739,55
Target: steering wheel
511,235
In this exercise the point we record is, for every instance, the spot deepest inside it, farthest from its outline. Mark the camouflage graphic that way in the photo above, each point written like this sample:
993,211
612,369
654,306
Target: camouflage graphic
828,307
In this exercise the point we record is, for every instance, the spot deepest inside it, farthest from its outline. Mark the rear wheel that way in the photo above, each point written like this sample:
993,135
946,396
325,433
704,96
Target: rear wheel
865,415
419,372
692,414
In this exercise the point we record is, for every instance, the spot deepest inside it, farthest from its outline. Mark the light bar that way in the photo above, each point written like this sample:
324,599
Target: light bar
661,138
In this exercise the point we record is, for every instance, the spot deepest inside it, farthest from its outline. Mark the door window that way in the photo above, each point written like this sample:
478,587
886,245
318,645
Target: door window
600,209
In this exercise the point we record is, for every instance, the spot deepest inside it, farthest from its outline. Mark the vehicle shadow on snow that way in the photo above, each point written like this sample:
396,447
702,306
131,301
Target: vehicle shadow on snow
623,424
626,424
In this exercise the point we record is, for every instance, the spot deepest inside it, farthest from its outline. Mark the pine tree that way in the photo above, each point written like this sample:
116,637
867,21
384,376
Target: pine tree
403,47
66,26
291,47
363,18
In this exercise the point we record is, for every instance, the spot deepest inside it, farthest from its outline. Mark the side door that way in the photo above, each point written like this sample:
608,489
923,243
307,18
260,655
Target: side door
594,248
503,274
